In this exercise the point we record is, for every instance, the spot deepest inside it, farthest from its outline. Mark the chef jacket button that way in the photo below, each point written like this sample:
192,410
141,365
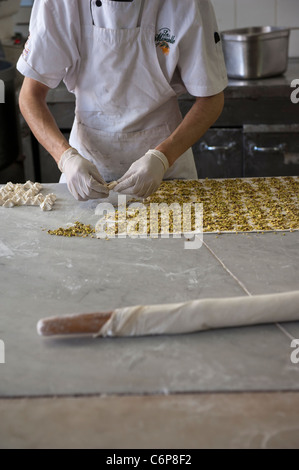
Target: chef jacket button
98,3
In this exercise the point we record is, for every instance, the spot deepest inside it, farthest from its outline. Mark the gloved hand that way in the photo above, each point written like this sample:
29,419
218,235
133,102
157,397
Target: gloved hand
144,176
83,179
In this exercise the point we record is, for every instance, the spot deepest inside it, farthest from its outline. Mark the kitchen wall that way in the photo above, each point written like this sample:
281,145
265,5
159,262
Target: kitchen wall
230,14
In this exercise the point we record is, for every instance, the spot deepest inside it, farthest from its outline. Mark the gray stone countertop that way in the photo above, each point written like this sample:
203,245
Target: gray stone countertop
43,275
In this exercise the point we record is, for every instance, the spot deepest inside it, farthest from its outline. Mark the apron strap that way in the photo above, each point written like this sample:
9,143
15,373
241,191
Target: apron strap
140,13
148,13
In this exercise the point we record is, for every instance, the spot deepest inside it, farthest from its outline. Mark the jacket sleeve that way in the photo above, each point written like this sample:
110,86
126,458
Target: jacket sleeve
51,53
201,61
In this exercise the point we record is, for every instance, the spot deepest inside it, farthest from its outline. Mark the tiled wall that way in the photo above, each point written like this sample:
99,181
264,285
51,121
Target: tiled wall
242,13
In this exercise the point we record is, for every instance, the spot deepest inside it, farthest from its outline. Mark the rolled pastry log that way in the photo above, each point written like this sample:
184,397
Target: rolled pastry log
201,315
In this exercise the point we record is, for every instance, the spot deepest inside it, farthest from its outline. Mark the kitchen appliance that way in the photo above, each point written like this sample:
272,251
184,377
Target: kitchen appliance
2,55
8,10
12,42
11,164
10,147
256,52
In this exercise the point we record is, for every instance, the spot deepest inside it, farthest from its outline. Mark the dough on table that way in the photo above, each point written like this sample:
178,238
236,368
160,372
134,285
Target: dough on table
112,185
27,194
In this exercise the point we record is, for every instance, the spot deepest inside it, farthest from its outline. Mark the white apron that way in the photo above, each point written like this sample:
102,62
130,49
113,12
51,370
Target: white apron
124,104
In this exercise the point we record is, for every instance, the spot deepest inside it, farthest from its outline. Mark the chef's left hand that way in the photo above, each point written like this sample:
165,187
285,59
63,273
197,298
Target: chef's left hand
144,176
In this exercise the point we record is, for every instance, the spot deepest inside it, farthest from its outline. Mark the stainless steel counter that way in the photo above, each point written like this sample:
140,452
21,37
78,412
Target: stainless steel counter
276,86
267,87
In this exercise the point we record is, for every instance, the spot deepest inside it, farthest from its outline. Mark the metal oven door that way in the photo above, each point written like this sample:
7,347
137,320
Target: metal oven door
219,154
271,150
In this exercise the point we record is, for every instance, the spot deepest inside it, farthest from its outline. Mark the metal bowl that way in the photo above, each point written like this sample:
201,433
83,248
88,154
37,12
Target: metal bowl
256,52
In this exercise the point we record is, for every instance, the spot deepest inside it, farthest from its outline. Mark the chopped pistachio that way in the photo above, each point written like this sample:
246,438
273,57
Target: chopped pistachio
229,205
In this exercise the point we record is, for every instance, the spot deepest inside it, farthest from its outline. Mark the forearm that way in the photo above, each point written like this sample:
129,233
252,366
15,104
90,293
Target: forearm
199,119
34,108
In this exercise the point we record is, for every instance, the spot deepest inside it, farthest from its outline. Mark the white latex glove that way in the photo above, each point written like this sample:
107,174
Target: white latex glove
83,179
144,176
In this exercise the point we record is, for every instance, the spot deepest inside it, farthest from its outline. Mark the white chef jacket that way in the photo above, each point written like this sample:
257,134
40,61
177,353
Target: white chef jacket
188,57
194,63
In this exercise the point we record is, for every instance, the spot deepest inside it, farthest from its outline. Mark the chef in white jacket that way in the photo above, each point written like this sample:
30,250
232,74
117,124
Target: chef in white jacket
126,62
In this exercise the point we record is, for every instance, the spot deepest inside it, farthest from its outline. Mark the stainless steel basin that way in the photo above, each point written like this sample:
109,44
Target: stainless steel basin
256,52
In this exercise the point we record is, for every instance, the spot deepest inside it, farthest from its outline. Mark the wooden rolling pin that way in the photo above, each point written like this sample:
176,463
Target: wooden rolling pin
89,323
179,318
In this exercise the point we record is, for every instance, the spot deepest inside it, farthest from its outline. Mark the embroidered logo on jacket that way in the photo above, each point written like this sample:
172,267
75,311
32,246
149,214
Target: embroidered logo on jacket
163,39
26,48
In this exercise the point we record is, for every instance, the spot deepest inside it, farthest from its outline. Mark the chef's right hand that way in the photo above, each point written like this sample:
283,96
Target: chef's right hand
83,179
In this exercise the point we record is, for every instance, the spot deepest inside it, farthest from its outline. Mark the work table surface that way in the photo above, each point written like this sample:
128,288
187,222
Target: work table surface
43,275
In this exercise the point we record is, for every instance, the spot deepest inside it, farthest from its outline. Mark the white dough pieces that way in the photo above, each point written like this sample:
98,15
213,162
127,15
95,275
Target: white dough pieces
28,194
